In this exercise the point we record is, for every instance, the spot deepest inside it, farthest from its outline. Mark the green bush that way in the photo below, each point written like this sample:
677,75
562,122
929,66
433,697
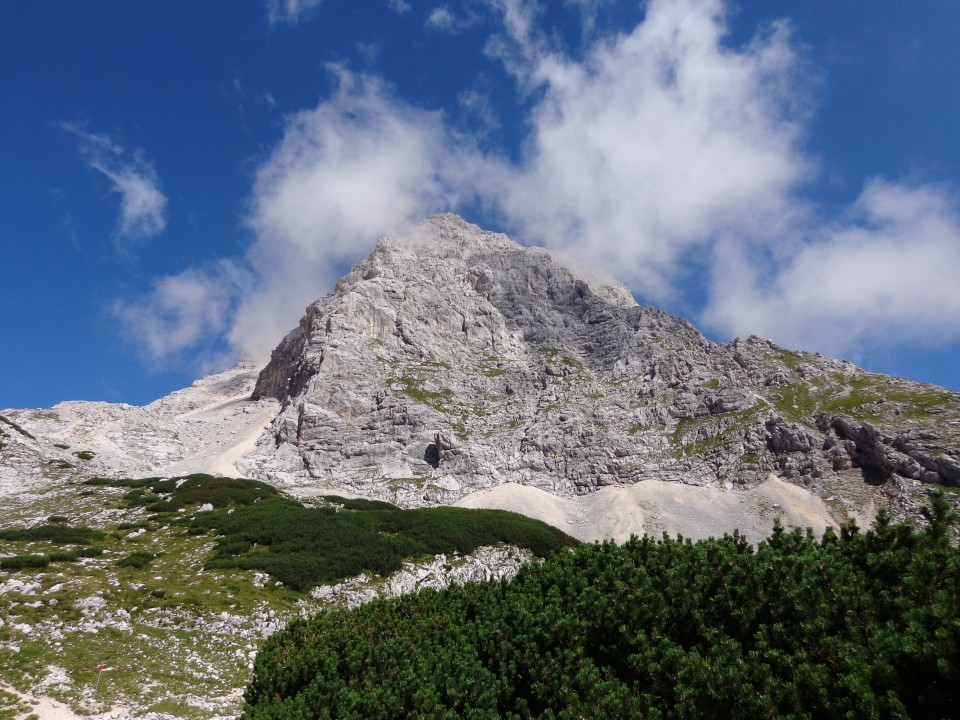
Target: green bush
71,556
55,533
169,495
308,546
360,503
74,555
138,560
120,482
855,625
139,498
20,562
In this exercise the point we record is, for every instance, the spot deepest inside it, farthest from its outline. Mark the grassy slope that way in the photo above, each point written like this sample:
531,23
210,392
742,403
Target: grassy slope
175,633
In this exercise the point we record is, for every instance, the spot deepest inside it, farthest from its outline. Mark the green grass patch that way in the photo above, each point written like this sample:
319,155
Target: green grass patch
796,402
861,396
439,400
558,356
952,489
786,357
12,707
85,454
435,365
722,427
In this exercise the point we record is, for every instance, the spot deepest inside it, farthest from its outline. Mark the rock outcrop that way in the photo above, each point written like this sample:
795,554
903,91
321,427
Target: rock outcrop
203,428
455,360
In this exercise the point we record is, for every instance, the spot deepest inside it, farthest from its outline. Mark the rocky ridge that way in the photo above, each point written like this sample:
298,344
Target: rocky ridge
203,428
454,360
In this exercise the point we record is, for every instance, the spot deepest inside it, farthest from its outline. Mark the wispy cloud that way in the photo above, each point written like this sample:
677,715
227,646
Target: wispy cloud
143,205
589,10
442,19
184,310
290,10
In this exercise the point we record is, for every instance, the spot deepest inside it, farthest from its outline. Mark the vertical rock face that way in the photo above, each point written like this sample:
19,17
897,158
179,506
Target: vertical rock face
454,360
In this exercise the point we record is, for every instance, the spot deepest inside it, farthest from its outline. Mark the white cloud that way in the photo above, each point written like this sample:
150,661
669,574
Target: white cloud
183,310
443,20
589,9
143,205
289,10
400,6
886,275
478,109
657,142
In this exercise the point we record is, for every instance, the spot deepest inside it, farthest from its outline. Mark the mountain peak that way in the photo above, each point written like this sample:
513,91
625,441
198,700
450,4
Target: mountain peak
454,360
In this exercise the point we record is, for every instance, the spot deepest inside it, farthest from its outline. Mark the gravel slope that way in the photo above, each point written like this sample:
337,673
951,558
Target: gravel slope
654,507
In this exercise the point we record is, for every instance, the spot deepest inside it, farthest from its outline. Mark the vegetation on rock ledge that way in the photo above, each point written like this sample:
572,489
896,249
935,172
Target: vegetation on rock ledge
303,547
258,529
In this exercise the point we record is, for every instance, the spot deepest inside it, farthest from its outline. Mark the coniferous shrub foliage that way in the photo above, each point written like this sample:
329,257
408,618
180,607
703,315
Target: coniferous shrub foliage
139,560
853,625
308,546
161,495
21,562
53,532
360,503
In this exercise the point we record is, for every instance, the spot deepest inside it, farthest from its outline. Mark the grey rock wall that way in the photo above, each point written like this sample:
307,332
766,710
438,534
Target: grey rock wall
455,360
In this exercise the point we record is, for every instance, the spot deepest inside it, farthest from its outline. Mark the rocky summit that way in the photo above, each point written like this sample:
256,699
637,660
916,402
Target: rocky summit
453,361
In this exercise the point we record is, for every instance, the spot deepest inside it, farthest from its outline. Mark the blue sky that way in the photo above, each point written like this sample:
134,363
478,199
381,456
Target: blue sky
179,179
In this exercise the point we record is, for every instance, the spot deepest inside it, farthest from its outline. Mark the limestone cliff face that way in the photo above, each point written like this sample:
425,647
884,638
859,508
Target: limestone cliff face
454,360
